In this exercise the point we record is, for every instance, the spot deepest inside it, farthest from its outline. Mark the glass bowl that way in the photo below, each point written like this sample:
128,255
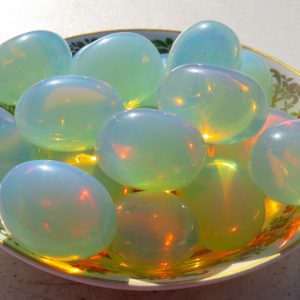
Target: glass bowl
280,234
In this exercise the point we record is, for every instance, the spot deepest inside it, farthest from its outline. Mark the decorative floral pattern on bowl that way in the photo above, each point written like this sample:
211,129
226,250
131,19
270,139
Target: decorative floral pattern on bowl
279,236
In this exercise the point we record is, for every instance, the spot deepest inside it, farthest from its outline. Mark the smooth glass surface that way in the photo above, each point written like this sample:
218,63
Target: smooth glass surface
275,162
29,58
206,42
56,210
155,229
225,105
65,113
254,66
128,61
229,207
151,150
240,152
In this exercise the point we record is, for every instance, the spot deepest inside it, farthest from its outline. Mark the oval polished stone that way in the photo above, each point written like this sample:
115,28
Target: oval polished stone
229,207
206,42
65,113
128,61
56,210
155,229
254,66
29,58
275,162
151,150
225,105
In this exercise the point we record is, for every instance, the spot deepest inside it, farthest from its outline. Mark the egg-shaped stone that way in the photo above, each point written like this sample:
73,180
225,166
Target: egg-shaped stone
128,61
151,150
65,113
56,210
206,42
275,162
155,230
29,58
225,105
229,207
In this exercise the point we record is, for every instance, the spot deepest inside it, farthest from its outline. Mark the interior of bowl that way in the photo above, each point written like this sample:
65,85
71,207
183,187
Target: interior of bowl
280,233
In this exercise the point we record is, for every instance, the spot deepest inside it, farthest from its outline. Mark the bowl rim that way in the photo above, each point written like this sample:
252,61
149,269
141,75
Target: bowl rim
118,285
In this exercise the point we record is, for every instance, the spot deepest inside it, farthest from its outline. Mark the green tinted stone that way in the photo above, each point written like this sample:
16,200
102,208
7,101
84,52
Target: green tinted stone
65,113
228,206
126,60
151,150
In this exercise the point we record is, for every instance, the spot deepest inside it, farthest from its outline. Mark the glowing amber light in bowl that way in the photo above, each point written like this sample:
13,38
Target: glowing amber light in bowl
150,150
154,230
229,208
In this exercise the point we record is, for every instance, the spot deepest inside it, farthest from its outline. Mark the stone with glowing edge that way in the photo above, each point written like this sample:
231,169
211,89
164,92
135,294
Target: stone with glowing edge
56,210
155,229
225,105
150,150
65,113
240,152
206,42
128,61
254,66
275,162
29,58
228,206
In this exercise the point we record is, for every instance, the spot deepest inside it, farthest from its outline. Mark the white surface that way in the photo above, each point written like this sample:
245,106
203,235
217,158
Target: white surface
271,26
277,281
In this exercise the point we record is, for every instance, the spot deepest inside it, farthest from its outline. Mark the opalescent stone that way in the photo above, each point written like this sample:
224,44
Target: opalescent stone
87,161
206,42
155,229
150,150
65,113
29,58
254,66
240,152
56,210
275,162
228,206
128,61
225,105
14,148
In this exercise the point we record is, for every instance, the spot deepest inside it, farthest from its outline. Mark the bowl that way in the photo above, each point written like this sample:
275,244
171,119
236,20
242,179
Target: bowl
279,236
